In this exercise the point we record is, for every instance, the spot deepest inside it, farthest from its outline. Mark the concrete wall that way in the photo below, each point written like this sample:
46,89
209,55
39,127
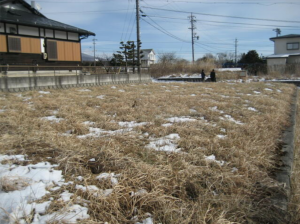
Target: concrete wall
15,84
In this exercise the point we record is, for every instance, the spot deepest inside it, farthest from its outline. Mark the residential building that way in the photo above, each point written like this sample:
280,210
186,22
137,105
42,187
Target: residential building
147,57
286,50
29,37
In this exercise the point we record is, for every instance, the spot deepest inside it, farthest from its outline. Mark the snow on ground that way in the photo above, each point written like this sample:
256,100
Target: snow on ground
166,144
101,97
21,186
212,158
180,119
229,118
52,119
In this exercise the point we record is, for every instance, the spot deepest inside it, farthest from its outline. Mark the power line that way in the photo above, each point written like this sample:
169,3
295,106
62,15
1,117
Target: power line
251,24
235,17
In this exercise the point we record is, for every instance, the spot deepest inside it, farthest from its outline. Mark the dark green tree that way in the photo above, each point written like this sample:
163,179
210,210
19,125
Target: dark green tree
117,60
251,57
127,50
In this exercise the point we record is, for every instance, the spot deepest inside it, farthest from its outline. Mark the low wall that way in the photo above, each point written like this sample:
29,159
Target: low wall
15,84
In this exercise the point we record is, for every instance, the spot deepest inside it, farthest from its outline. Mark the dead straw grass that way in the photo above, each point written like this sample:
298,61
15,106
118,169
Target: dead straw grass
178,187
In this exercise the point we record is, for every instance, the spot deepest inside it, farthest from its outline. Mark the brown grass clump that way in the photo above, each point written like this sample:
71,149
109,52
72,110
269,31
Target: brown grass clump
295,179
239,124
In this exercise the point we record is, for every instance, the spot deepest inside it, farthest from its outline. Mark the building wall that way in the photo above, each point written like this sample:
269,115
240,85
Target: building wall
3,43
66,51
281,46
276,61
293,60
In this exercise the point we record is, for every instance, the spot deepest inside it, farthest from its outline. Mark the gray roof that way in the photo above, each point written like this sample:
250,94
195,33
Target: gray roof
285,36
35,18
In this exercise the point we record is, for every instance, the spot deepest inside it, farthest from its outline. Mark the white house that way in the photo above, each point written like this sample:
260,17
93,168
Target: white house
286,50
147,57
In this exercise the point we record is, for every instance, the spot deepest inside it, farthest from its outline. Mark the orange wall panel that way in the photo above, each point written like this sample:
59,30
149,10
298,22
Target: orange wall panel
25,45
3,43
76,52
68,51
35,46
61,51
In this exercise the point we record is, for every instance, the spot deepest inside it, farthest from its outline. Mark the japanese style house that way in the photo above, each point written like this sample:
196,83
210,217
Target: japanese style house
27,37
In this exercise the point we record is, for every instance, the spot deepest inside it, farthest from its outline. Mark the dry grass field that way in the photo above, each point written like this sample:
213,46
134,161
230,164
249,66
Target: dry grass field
159,152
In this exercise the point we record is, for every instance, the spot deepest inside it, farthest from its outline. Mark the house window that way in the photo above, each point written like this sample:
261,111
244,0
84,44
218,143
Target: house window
14,44
293,46
52,50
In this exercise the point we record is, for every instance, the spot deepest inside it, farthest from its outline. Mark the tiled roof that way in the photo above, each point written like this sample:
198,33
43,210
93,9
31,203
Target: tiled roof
36,19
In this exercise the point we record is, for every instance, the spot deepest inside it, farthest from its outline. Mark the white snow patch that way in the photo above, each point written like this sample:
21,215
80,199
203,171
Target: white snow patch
180,119
148,220
252,109
29,182
256,92
132,124
216,109
101,97
111,176
166,144
222,136
213,159
52,119
167,125
229,118
85,90
44,92
267,89
113,87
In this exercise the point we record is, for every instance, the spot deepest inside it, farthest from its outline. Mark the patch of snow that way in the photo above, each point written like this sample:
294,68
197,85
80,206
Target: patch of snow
44,92
80,178
35,178
267,89
279,91
166,144
256,92
101,97
252,109
132,124
89,123
213,159
92,160
66,196
180,119
193,94
167,125
222,136
148,220
111,176
193,111
139,193
85,90
122,90
113,87
52,119
216,109
229,118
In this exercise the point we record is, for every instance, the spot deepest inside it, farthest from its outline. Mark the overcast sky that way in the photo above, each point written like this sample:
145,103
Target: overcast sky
165,27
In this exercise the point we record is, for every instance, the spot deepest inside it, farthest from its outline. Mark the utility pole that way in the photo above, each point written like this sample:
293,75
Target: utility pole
138,35
194,35
236,42
94,43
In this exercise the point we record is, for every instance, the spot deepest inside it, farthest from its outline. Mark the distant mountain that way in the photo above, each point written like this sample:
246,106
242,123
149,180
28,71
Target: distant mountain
86,57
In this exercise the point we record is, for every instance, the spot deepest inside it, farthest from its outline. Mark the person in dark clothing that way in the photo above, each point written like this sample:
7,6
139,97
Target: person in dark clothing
203,75
213,76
